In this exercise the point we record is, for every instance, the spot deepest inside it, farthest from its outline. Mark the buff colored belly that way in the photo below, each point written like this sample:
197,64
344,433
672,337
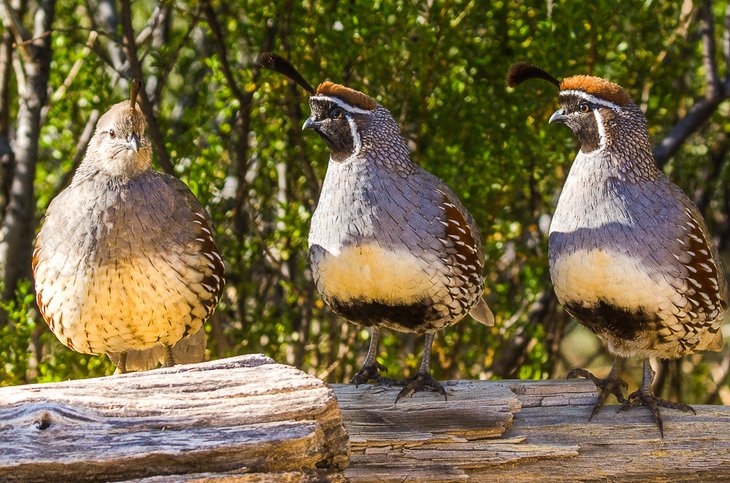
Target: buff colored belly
587,276
117,308
370,273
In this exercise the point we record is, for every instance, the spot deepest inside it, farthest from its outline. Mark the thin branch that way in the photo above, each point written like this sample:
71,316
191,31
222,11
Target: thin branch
11,22
707,32
173,58
696,116
152,24
30,41
130,50
726,38
220,47
681,31
72,73
81,146
243,116
717,91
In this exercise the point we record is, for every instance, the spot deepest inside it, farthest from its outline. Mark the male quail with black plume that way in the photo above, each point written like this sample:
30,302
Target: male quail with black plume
390,244
125,259
630,255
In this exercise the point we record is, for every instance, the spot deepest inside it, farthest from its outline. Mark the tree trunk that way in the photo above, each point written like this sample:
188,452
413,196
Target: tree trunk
16,235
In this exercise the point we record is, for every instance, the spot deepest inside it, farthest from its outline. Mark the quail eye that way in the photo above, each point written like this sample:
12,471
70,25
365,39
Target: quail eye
112,134
584,107
337,113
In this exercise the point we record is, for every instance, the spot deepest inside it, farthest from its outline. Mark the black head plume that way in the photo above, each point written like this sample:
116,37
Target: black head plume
278,64
521,71
134,87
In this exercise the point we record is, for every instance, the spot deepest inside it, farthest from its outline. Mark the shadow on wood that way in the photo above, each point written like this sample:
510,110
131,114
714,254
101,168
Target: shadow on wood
246,414
525,431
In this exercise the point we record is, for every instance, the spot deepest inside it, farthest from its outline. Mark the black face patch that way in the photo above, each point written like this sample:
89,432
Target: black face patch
334,127
369,313
580,118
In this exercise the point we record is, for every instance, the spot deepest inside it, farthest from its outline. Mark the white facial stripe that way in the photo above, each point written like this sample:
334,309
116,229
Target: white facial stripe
356,145
601,129
590,98
342,104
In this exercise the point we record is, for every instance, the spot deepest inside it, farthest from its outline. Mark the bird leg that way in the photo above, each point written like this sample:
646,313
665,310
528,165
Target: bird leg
613,384
169,358
644,396
423,379
371,367
122,364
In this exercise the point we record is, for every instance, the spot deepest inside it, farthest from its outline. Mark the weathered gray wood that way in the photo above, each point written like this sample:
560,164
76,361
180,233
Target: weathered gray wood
248,419
243,415
525,431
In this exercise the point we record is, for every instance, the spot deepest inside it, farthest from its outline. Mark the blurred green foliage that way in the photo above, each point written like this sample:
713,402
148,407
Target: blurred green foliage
440,68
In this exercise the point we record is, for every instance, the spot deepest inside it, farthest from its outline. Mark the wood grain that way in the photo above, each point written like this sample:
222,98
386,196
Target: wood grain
525,431
246,414
248,419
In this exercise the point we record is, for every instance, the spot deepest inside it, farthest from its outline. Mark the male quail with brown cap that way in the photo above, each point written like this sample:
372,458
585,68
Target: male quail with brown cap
630,255
390,244
125,259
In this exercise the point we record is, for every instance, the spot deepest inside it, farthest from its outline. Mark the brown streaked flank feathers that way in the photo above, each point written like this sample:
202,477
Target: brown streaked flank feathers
522,71
597,87
350,96
271,61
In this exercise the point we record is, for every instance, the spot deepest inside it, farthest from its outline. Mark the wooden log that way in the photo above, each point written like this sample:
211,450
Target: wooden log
526,431
245,416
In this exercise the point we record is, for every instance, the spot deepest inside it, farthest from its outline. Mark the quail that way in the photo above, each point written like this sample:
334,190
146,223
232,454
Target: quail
125,259
390,245
630,255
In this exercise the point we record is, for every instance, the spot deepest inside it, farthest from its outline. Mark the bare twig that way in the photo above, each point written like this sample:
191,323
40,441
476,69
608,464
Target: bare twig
707,33
243,118
718,90
696,116
72,73
685,20
726,37
173,58
11,22
80,151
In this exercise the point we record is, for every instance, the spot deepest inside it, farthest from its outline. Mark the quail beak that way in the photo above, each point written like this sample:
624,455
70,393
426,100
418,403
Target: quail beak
310,123
558,116
133,143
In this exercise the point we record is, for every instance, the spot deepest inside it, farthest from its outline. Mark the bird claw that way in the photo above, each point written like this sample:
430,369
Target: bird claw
644,397
371,372
610,385
417,383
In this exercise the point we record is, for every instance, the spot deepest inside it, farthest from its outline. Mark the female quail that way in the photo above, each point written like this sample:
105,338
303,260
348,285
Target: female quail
630,255
390,244
125,259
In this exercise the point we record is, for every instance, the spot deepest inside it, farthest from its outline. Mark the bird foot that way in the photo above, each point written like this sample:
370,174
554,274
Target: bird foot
646,397
417,383
613,384
371,372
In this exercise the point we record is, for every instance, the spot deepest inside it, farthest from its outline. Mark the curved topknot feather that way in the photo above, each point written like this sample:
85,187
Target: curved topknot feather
522,71
134,88
271,61
598,87
351,96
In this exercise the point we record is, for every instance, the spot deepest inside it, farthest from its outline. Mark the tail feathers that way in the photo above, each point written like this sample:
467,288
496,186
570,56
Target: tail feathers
482,314
716,343
189,350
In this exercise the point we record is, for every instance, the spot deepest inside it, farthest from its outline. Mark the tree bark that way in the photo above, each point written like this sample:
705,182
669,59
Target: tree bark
16,234
516,431
245,415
